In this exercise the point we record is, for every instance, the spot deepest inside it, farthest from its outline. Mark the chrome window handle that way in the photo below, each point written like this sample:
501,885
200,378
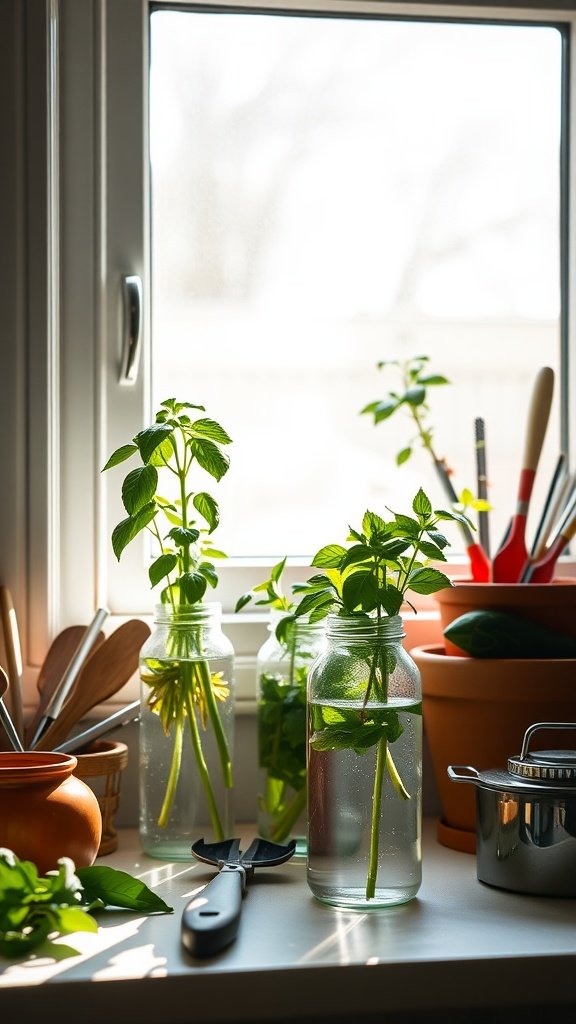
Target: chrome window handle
131,329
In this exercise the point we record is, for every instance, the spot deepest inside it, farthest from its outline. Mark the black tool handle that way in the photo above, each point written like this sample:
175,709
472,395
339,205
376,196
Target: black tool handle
210,921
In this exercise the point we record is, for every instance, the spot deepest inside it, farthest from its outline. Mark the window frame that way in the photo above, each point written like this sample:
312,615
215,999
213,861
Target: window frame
86,210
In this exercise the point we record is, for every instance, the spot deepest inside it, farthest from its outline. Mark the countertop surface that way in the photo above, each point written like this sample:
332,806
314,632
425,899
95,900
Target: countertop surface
459,944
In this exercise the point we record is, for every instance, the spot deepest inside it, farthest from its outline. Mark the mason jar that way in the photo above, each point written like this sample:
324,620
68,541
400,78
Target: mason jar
186,731
364,766
282,667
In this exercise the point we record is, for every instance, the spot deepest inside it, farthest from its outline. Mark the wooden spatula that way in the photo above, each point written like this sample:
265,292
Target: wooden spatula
57,659
510,560
105,672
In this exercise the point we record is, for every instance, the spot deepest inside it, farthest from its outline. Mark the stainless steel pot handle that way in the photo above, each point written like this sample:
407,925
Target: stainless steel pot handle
541,725
454,769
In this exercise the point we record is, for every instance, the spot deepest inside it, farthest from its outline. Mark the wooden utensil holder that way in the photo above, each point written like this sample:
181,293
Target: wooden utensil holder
101,767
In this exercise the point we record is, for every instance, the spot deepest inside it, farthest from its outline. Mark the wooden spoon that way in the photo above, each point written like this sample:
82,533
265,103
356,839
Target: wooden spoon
105,672
59,655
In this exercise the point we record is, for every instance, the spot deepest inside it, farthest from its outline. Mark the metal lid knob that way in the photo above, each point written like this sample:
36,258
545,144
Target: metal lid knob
545,765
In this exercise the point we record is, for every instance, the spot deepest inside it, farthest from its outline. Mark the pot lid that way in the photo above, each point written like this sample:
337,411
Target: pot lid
552,766
557,766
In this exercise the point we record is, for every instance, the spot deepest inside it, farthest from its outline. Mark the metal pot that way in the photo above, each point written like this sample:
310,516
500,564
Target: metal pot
526,819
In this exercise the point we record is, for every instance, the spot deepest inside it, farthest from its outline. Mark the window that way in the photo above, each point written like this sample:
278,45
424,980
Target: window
328,192
97,169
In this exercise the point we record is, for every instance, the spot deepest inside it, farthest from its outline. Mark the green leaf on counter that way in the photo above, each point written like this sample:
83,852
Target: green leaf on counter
116,888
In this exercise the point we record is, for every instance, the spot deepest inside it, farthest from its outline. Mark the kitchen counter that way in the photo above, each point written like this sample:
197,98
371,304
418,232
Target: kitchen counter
458,950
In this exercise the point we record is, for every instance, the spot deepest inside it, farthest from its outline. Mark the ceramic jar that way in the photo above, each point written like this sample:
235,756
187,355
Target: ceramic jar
45,812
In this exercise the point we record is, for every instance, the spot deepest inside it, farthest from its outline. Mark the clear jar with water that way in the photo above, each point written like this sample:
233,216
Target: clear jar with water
186,731
282,667
364,766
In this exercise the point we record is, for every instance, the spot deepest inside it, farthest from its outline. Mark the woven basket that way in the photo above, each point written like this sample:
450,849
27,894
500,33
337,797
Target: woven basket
101,767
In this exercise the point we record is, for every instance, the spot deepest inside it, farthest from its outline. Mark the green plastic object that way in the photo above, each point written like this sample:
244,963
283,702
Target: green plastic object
498,634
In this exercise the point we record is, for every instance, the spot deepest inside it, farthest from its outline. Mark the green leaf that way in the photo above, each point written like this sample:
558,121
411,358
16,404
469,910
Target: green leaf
373,524
392,600
162,567
438,538
427,581
329,557
149,439
119,889
210,429
75,919
360,590
139,488
382,410
432,551
403,456
357,553
243,601
120,455
415,396
129,528
184,536
208,508
422,505
209,572
210,457
278,570
193,586
432,379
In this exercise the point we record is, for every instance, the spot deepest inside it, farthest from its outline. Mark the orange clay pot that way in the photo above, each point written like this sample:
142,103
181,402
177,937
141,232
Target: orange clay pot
45,812
476,711
550,604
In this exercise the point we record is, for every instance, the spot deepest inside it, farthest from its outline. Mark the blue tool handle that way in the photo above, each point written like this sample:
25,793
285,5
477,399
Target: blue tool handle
210,921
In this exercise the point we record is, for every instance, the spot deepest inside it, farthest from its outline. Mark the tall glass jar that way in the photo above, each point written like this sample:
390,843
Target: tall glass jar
282,670
186,731
364,766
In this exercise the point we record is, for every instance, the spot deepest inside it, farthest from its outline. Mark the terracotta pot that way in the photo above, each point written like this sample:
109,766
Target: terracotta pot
476,711
45,812
550,604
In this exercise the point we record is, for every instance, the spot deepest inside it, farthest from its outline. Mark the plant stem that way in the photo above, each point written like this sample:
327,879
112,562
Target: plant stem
203,770
285,821
203,675
381,758
174,773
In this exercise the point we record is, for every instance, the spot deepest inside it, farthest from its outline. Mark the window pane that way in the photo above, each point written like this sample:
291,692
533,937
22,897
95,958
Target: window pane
331,192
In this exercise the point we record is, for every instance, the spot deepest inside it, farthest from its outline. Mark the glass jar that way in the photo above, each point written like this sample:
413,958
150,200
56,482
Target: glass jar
186,731
282,667
364,766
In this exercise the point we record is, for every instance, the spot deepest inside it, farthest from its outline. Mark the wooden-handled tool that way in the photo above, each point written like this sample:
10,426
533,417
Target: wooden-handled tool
68,680
5,718
511,558
13,657
105,672
57,660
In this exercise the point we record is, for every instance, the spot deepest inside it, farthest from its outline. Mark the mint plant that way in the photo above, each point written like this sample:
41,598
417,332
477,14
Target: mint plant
370,579
281,713
33,908
182,692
